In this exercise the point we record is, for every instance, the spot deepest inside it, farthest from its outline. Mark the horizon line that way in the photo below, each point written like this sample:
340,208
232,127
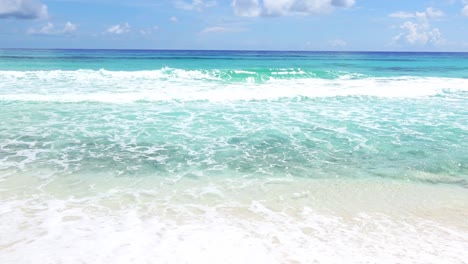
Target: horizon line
246,50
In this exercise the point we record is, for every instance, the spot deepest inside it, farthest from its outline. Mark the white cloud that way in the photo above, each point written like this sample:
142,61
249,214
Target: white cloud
419,34
50,29
401,14
47,29
418,30
338,43
465,10
148,31
69,28
197,5
213,30
173,19
247,8
221,29
119,29
433,13
254,8
23,9
428,13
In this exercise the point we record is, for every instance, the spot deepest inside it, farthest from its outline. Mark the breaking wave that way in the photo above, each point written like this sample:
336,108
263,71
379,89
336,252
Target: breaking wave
212,85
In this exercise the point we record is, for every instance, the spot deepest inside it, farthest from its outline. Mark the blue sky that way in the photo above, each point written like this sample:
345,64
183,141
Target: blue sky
236,24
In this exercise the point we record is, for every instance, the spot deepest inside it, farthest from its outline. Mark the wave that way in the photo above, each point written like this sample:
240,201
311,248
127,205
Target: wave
213,85
259,75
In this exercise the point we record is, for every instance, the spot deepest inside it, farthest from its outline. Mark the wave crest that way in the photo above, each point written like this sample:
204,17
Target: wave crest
213,85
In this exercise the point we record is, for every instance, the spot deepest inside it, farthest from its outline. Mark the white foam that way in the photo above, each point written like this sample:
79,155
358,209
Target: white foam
252,222
244,72
188,85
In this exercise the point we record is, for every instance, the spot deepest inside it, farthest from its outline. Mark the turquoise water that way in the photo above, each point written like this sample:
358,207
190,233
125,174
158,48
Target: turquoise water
166,113
97,135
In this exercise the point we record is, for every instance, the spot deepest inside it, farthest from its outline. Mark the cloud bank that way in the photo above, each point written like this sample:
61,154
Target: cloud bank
23,9
254,8
419,31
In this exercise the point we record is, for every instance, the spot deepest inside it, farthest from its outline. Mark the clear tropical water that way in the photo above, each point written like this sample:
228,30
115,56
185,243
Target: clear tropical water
233,157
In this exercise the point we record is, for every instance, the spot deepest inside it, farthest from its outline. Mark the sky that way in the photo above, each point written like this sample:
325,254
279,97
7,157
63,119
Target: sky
354,25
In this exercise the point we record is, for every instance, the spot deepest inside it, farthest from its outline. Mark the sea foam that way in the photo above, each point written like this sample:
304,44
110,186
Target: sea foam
263,221
212,85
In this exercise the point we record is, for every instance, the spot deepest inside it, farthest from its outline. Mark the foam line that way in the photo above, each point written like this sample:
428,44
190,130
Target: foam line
212,85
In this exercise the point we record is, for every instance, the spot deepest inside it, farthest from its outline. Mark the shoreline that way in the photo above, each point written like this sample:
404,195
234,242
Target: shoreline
204,220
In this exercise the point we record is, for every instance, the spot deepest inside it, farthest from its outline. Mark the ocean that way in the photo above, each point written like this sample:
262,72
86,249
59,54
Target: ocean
142,156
